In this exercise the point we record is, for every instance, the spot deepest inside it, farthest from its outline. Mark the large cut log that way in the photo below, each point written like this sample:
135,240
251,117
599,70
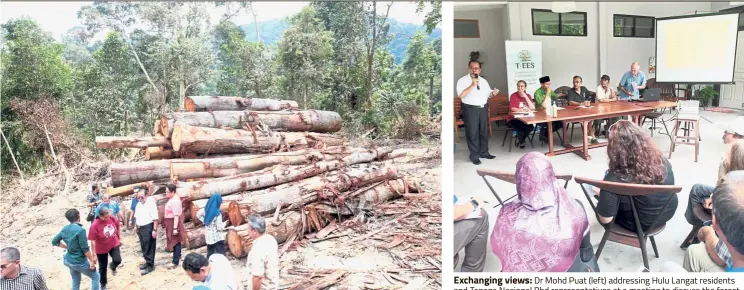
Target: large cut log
305,191
222,167
239,241
156,129
194,238
368,198
268,177
131,142
127,189
196,205
293,121
223,103
158,153
135,172
192,139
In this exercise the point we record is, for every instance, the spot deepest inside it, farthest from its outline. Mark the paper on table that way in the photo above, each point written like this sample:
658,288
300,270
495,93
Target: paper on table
473,215
584,107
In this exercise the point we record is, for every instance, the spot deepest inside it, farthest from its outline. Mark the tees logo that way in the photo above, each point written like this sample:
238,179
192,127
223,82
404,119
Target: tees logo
525,58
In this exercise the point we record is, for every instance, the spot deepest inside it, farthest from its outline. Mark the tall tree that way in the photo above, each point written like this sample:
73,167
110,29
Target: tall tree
378,35
244,66
304,53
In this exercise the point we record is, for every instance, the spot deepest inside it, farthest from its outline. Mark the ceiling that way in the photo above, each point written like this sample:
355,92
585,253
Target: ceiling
471,6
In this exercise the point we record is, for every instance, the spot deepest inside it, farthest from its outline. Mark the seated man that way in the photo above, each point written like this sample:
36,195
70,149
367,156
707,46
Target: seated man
471,234
579,96
728,218
710,255
544,96
605,94
700,193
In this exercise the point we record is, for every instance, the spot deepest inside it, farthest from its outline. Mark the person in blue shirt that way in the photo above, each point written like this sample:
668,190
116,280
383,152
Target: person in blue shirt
728,217
470,234
111,205
632,83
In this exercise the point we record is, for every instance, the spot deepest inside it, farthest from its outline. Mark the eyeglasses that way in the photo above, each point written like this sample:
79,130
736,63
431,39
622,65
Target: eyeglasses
3,267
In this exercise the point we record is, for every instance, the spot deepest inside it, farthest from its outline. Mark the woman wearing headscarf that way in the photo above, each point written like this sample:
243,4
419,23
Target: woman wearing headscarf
542,231
214,225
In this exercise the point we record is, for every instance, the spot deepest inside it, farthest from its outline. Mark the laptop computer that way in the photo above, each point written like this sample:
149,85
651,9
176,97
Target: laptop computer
651,95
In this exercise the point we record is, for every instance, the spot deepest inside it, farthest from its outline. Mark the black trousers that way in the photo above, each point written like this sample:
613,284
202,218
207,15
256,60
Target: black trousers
522,129
147,243
476,129
103,263
217,248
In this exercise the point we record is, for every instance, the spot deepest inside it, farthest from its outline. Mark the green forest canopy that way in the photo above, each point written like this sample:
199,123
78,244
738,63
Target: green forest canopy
156,53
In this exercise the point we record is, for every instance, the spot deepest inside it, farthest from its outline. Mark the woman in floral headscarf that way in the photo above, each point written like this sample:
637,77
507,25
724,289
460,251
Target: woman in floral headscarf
543,230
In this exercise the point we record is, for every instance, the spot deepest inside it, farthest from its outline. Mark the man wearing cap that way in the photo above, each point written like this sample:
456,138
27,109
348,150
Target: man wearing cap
263,259
632,83
474,92
700,193
543,97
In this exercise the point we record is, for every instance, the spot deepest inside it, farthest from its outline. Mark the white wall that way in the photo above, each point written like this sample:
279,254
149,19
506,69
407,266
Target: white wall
622,51
563,56
490,45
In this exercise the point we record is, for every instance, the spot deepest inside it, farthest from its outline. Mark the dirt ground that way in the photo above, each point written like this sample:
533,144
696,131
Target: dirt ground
396,245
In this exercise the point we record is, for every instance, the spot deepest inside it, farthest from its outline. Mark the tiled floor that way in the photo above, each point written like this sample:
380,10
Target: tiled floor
615,257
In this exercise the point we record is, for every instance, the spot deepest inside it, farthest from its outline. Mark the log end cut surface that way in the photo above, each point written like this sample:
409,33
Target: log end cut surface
235,243
233,212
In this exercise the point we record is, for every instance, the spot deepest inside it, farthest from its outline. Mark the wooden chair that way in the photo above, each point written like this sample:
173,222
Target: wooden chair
510,177
689,114
498,110
617,233
702,214
458,117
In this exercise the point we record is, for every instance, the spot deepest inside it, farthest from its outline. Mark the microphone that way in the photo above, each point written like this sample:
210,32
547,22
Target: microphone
477,84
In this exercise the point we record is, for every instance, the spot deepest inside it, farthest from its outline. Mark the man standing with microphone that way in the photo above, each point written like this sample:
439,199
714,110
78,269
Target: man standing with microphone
474,92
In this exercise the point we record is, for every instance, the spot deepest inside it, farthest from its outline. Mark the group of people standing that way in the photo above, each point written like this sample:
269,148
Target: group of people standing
88,254
474,91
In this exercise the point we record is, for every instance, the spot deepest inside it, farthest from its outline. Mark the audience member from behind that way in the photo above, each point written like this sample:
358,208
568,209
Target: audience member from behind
543,230
520,101
471,234
173,223
104,240
732,160
73,239
215,272
16,276
146,218
263,259
728,218
634,158
214,225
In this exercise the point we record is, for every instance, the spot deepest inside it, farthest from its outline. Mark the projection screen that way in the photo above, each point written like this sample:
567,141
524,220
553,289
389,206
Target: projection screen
697,48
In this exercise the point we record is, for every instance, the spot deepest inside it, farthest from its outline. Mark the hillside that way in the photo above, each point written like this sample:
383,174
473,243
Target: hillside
272,30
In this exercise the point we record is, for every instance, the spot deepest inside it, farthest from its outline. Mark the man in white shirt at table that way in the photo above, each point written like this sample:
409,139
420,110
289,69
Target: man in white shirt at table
474,92
605,94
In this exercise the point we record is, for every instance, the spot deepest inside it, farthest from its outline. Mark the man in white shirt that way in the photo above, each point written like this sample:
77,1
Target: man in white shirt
146,218
216,272
474,92
263,259
605,94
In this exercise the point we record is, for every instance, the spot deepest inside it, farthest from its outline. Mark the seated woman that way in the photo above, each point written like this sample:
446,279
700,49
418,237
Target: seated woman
543,230
520,101
579,96
605,94
634,158
543,96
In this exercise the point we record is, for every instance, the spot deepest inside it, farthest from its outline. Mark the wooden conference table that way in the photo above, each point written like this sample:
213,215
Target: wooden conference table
571,114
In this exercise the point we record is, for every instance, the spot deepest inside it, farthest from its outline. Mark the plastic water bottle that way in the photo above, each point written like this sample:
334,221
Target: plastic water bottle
537,129
514,133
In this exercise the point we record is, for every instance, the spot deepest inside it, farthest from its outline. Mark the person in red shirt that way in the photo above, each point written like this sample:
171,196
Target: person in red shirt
173,223
104,241
520,101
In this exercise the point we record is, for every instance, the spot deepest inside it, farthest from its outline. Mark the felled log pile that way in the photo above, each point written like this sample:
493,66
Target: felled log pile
265,157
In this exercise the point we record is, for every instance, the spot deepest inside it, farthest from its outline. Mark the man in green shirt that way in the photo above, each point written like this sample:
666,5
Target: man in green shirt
75,241
541,101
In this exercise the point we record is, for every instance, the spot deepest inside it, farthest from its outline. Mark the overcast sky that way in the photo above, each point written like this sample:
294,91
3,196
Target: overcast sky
58,17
